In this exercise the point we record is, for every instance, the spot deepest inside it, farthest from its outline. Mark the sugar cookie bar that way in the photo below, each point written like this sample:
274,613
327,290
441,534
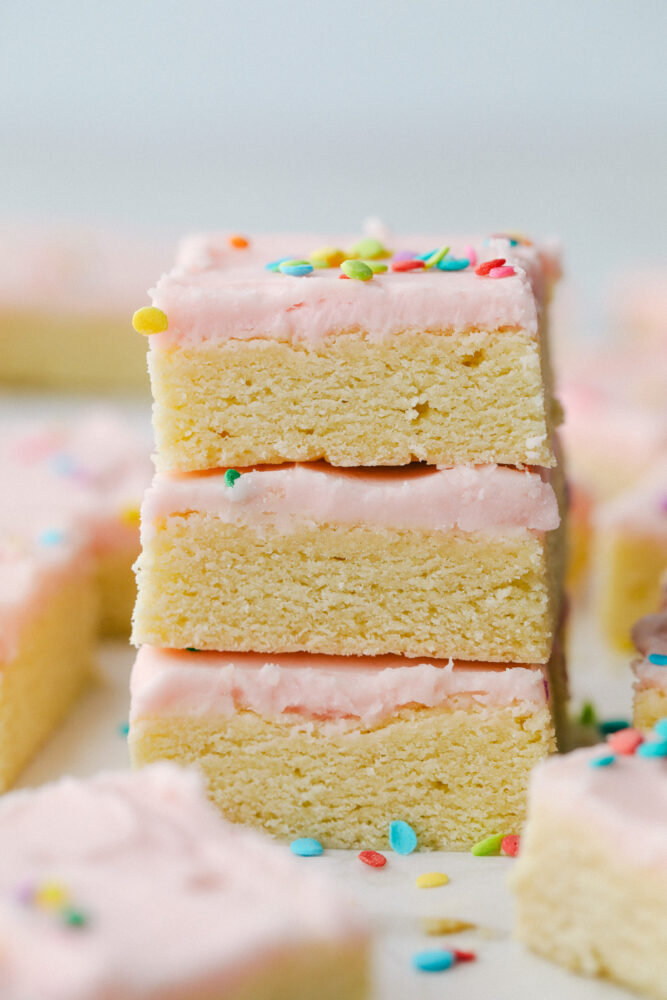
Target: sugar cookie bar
428,361
336,747
133,886
591,879
419,561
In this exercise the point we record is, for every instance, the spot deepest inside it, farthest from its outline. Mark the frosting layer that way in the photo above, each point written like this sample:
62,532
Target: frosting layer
368,689
481,498
218,292
175,901
624,804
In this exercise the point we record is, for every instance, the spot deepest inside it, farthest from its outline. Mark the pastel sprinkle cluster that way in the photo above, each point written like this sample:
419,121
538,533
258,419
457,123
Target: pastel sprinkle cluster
366,259
629,742
52,897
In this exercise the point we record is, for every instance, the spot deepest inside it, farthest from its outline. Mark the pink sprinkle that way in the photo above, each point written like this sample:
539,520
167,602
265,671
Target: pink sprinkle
469,252
510,845
625,741
404,255
501,272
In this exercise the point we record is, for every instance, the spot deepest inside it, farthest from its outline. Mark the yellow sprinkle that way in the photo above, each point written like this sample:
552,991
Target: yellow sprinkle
130,517
431,880
327,257
445,925
51,896
149,320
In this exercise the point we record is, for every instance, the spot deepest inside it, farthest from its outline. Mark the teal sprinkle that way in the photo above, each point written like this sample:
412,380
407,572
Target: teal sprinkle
51,537
610,726
656,748
425,256
306,847
123,728
453,264
275,264
231,475
657,659
602,761
660,728
433,960
402,837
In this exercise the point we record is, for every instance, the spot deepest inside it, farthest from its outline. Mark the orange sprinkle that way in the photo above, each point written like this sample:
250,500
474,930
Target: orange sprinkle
238,242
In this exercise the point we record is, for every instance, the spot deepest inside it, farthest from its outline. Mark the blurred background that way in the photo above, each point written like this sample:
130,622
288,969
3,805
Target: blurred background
433,115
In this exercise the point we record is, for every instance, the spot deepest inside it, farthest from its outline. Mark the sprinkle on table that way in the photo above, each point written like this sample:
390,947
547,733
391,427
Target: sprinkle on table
445,925
357,269
489,845
123,728
431,880
509,846
231,475
372,858
433,960
464,956
306,847
238,242
402,837
149,320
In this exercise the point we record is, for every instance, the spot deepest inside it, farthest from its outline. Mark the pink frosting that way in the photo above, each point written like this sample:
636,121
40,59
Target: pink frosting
178,902
331,688
66,491
216,292
481,498
623,806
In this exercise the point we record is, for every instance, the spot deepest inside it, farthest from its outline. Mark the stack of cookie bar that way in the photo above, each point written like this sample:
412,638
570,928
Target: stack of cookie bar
350,582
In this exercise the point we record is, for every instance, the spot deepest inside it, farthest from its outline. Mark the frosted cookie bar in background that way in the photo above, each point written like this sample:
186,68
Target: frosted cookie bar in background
649,636
436,355
337,746
132,886
66,299
463,562
68,536
591,879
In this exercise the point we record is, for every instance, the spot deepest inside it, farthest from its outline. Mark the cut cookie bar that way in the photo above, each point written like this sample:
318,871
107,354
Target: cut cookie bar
337,747
421,363
591,880
133,886
649,635
65,300
459,562
631,554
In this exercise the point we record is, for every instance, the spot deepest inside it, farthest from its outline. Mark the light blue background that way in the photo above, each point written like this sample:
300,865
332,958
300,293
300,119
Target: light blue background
547,117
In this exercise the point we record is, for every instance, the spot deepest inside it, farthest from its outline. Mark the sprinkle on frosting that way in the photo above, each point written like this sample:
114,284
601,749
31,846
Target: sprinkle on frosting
483,270
402,837
436,257
411,264
657,659
296,268
372,858
149,320
431,880
605,761
356,269
370,248
489,845
231,475
51,537
625,741
306,847
239,242
327,257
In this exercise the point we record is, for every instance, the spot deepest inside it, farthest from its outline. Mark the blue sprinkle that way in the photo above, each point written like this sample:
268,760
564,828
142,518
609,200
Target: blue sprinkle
295,270
452,263
402,837
433,960
275,264
658,659
63,465
123,728
660,728
51,537
602,761
306,847
657,748
610,726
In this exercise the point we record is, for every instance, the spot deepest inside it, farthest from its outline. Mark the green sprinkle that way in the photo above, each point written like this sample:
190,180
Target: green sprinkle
73,917
436,257
609,726
490,845
587,716
231,475
376,266
357,269
192,649
370,249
